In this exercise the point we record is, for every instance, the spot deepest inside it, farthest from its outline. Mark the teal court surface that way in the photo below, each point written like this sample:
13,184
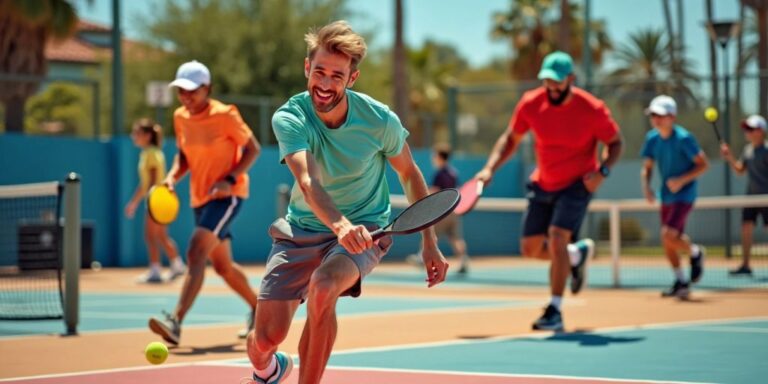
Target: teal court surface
721,348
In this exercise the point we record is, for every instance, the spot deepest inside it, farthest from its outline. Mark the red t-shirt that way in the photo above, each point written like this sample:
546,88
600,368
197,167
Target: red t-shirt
565,136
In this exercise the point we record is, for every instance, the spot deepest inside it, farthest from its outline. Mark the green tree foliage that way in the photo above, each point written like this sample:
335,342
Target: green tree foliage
532,28
25,27
61,108
251,47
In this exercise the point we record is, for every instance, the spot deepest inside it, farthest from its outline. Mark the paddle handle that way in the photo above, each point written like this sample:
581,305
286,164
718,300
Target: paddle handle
378,234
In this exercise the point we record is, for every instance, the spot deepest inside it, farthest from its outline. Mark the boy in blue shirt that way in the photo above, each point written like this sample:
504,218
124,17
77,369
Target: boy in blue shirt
680,162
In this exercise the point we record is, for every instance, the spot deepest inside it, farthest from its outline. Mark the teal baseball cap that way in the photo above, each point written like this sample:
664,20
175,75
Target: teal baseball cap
556,66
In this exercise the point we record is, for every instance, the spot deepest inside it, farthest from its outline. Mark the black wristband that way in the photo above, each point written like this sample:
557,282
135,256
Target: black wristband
230,179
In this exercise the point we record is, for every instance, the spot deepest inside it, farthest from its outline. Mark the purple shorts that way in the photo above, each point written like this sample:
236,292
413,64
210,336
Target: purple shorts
673,215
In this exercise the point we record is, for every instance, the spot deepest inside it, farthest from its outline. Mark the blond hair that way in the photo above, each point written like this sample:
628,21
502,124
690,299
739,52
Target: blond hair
337,37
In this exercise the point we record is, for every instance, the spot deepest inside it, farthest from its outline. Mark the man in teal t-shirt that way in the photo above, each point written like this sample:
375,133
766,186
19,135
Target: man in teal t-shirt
680,161
337,144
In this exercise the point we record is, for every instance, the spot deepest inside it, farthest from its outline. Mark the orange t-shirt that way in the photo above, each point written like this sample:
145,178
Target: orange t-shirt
212,142
565,136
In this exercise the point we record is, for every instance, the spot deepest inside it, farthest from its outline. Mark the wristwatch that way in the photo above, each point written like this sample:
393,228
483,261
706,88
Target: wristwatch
230,179
604,170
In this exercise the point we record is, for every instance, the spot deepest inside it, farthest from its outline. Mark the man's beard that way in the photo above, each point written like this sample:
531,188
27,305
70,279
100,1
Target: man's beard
336,98
560,99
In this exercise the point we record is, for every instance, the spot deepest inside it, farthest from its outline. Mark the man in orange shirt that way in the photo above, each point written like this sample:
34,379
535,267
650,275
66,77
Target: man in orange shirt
567,122
216,147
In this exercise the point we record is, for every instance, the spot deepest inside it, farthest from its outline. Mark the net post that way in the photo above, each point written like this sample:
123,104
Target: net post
72,252
615,235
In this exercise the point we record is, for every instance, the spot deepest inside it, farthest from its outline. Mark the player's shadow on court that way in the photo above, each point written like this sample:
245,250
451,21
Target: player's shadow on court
588,339
234,348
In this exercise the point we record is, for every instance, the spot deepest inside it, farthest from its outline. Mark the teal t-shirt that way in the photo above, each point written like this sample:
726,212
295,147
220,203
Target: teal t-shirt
352,158
674,156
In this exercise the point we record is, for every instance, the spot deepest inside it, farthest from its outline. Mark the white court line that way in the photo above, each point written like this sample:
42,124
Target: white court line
242,362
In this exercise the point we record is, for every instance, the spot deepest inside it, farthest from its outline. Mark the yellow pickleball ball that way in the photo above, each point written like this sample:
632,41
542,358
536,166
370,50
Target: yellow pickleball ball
711,114
156,352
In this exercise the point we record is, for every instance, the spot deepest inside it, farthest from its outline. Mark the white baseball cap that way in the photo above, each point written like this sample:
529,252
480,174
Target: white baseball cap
662,105
192,75
755,122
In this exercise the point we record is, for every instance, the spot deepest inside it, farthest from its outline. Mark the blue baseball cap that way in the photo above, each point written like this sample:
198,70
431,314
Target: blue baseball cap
556,66
192,75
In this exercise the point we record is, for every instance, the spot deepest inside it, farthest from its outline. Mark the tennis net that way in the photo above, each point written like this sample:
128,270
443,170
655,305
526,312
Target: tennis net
31,251
627,234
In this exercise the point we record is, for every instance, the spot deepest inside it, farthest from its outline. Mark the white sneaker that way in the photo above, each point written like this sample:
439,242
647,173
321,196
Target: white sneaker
150,278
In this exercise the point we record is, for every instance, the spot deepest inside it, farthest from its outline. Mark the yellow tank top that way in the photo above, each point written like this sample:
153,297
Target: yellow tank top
151,157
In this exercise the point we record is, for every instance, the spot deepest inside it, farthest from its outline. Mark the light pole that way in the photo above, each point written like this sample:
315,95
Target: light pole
721,32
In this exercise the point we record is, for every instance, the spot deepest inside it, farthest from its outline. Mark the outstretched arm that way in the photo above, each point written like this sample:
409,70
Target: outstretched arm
415,188
506,145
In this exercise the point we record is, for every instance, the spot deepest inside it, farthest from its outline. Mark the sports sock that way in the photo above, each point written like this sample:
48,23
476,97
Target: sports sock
679,274
269,370
695,249
556,301
574,254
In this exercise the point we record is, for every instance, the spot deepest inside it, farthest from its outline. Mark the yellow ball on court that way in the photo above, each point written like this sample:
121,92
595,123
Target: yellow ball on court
710,114
156,352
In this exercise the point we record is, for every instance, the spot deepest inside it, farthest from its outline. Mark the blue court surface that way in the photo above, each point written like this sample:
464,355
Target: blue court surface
697,352
106,312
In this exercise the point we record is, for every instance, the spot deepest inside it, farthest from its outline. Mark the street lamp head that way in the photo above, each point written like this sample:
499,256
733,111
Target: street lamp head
722,31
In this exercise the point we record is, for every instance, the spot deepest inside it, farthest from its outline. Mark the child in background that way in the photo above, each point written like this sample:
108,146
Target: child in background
680,161
148,136
753,162
446,177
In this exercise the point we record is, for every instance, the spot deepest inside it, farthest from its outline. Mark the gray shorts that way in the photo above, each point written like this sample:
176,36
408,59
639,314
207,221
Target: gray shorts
297,253
450,226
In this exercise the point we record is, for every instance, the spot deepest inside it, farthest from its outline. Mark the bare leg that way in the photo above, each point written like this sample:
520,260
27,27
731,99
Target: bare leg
561,263
151,239
273,320
535,246
747,230
160,235
201,245
328,282
232,272
674,243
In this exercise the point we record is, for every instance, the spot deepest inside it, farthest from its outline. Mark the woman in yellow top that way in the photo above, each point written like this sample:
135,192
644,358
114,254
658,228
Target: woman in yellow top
149,136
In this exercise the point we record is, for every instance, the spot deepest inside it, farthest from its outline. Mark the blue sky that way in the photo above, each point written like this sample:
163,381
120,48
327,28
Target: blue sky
466,24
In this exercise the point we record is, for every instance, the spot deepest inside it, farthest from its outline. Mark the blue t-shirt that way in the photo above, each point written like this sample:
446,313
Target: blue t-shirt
352,158
674,157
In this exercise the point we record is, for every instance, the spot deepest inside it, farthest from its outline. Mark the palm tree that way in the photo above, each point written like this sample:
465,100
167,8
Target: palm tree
646,68
25,28
760,7
400,75
525,25
534,31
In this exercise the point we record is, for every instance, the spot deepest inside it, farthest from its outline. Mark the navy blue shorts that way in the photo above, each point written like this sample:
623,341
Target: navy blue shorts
565,208
217,215
752,213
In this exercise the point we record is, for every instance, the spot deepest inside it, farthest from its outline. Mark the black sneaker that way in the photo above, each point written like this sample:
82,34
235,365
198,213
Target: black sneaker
741,271
551,320
679,290
697,265
169,329
243,333
578,271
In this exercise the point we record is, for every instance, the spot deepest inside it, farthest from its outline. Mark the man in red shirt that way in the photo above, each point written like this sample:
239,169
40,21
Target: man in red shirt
567,122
